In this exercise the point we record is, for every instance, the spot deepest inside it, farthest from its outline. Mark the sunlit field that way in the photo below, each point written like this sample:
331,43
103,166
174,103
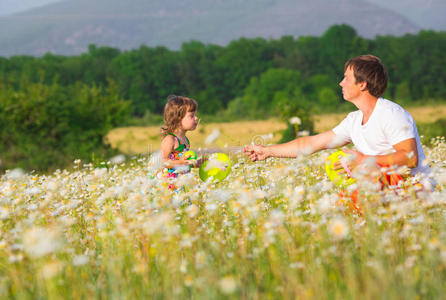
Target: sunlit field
133,140
274,229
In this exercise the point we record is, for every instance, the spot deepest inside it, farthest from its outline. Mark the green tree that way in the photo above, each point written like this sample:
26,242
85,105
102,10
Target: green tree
260,93
327,99
238,63
196,75
216,75
278,93
47,126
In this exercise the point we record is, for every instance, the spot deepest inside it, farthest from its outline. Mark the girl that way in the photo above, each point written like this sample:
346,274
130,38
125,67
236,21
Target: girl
180,116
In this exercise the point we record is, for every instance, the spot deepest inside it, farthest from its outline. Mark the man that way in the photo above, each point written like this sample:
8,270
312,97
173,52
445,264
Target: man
381,130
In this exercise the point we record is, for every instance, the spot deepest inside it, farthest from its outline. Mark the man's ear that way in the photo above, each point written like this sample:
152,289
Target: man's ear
363,86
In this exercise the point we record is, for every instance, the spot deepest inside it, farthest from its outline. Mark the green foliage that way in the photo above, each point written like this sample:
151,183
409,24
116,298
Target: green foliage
295,106
216,75
47,126
327,99
247,79
147,120
146,76
337,45
262,96
402,92
279,93
433,130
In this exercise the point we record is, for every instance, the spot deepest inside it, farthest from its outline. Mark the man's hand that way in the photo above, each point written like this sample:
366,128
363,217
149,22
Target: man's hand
405,155
348,165
256,152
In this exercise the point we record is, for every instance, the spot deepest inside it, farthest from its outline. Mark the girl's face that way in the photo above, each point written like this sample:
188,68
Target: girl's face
189,121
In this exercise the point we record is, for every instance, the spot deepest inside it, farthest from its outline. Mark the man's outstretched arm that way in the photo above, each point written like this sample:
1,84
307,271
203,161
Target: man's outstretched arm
300,146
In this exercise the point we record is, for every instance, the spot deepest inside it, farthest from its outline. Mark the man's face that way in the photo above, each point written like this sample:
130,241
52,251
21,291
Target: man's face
350,89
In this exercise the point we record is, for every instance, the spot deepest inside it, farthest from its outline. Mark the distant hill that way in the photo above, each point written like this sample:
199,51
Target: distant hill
8,7
428,14
68,27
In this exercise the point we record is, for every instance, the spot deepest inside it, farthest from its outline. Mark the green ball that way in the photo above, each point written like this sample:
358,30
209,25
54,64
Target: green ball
218,166
191,154
339,179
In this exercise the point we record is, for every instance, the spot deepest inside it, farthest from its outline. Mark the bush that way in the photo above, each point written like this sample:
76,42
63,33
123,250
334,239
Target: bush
47,126
291,107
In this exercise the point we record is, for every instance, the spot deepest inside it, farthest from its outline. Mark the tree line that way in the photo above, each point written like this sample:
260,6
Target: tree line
216,75
64,105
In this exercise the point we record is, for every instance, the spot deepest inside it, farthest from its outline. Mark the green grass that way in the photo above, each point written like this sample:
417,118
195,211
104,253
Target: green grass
431,131
274,229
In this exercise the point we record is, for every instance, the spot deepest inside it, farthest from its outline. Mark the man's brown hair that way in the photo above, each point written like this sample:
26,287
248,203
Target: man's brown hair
370,69
175,110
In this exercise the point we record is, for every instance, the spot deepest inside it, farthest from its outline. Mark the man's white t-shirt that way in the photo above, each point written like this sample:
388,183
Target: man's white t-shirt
388,125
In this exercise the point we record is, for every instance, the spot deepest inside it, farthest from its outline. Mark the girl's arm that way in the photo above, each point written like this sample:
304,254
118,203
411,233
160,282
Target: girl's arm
166,148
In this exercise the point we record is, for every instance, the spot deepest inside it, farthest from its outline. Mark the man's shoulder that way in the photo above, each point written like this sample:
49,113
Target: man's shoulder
387,105
393,114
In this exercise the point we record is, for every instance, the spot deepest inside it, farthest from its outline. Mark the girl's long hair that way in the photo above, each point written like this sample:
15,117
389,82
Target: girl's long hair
175,110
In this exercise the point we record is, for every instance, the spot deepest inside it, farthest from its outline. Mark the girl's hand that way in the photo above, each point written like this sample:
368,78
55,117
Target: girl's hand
195,163
185,161
199,162
169,163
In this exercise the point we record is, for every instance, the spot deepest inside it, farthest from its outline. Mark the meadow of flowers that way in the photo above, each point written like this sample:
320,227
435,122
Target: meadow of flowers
273,229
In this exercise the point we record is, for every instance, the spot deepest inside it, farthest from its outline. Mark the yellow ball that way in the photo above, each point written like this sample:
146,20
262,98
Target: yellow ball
339,179
218,166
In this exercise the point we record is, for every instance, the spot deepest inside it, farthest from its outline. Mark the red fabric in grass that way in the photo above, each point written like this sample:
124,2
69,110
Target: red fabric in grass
390,177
